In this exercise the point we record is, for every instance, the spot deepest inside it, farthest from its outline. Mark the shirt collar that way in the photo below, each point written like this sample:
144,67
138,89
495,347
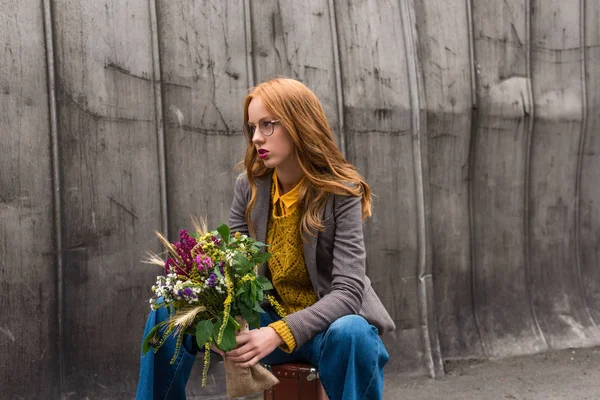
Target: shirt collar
290,198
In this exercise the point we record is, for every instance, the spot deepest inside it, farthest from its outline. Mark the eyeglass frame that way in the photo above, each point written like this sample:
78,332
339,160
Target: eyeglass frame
247,128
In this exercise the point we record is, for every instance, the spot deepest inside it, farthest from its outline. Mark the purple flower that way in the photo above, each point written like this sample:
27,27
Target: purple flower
204,262
170,265
187,292
216,241
187,242
199,263
212,280
184,248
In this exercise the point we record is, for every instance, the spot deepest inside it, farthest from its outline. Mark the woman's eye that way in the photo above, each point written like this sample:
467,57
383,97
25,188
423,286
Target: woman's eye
265,124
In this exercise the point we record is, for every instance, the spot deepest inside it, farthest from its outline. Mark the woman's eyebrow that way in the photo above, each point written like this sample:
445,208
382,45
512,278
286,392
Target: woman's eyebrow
269,118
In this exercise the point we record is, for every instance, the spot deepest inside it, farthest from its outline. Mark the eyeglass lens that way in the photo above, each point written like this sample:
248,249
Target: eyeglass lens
266,128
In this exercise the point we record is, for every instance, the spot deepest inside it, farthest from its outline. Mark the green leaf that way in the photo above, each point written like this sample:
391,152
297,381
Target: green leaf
258,291
146,344
264,282
258,308
241,264
241,289
228,341
260,244
216,328
253,320
217,272
261,258
204,330
224,232
246,311
245,299
234,322
241,294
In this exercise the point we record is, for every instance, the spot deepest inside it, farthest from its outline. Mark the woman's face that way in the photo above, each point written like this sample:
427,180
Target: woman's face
276,150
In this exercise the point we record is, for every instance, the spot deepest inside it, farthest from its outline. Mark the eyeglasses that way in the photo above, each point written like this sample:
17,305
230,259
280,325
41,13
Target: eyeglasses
266,128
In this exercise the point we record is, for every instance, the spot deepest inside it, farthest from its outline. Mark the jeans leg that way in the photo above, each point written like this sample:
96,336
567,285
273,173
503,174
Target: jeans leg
159,379
352,357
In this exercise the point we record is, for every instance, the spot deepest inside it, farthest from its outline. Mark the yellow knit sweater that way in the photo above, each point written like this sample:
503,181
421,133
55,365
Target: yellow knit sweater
288,271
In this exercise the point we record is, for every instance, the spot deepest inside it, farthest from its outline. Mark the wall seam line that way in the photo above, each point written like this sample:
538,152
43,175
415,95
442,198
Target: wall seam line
157,82
248,38
527,178
338,77
56,182
472,137
582,140
423,267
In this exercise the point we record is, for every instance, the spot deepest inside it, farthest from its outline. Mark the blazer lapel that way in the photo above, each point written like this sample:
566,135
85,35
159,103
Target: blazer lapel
310,252
260,212
310,259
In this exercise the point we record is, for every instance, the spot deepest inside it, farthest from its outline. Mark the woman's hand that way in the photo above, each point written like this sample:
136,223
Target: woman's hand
253,346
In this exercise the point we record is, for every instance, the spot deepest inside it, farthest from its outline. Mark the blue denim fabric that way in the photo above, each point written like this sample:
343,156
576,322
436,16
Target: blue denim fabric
159,379
350,358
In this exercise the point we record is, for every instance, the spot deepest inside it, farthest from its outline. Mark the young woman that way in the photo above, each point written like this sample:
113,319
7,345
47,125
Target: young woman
300,196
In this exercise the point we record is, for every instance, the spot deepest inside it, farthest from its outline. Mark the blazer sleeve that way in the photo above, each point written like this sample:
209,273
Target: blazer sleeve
348,274
241,197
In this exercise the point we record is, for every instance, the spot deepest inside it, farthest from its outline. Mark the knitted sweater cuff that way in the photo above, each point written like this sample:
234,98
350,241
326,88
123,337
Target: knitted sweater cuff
283,330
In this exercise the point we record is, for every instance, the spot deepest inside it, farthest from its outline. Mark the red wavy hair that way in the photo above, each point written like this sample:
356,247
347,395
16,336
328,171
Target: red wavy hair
326,171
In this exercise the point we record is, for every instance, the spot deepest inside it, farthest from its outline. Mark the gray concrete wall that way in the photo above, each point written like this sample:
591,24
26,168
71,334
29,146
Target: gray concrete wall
476,124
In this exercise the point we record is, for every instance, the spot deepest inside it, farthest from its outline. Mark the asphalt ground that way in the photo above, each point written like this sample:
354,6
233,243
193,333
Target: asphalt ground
564,374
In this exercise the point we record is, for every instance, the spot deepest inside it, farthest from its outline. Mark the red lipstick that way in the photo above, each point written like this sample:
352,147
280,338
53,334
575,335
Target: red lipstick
262,153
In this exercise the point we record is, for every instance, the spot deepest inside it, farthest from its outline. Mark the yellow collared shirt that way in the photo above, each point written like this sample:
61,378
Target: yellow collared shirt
287,203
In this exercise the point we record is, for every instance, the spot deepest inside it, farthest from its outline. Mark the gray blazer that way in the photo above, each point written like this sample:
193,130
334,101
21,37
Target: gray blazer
335,261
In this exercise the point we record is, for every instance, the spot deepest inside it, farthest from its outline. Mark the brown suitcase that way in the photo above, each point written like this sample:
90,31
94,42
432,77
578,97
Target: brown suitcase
297,381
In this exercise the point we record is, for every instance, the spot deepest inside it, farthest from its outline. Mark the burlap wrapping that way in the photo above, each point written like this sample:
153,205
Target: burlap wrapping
246,381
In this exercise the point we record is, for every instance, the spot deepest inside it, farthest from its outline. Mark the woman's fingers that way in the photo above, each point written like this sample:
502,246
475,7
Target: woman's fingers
250,363
240,348
242,339
217,350
243,353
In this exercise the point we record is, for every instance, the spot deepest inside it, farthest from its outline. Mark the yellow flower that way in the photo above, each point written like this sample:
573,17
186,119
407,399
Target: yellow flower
247,278
177,347
164,337
206,362
278,308
226,306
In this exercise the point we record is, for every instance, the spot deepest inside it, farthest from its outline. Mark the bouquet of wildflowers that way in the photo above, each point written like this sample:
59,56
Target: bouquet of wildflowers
211,287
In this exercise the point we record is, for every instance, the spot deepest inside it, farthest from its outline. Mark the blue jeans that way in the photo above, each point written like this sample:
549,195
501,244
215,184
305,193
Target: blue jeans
349,355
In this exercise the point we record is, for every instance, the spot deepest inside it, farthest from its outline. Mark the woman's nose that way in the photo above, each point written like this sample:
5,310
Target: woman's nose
258,137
